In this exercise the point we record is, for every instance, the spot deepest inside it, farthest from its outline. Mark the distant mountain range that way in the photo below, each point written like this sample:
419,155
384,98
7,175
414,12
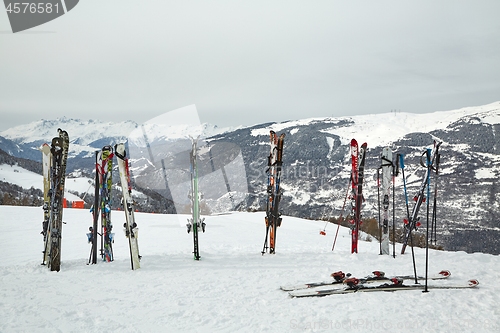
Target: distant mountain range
316,167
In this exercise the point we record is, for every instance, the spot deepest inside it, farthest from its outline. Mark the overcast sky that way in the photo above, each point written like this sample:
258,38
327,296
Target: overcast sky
248,62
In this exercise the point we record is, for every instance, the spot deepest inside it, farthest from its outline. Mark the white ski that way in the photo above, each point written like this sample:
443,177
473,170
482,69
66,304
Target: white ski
131,230
46,164
386,189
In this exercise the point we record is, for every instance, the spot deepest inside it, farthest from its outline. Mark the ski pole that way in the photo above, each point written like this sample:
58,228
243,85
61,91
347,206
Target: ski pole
402,163
427,228
342,212
379,217
264,248
434,207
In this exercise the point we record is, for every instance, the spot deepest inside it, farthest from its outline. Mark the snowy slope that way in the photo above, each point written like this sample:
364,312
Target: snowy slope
232,288
370,128
87,131
14,174
88,135
26,179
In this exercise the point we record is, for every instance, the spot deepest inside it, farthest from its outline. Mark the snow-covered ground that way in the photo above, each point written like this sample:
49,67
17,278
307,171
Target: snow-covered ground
233,288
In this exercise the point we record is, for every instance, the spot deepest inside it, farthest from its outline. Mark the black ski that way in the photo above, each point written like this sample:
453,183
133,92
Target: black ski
59,152
92,234
106,183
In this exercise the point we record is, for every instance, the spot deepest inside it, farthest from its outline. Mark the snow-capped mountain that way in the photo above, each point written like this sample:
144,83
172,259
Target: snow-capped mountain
316,166
84,132
85,136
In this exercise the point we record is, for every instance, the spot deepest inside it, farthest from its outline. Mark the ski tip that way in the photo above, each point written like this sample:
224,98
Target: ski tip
473,283
445,273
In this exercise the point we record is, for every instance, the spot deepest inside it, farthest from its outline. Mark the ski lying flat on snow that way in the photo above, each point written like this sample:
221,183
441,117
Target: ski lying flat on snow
444,274
382,287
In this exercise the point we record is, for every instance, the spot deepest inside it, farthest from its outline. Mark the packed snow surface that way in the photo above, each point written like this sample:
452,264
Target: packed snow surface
233,288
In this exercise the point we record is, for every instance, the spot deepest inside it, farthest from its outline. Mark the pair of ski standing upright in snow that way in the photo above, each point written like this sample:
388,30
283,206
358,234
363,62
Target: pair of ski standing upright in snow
54,163
389,169
54,159
102,204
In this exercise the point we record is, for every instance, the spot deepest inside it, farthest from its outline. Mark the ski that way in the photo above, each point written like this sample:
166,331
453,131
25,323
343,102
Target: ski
59,153
358,155
131,230
92,234
46,165
359,195
386,167
105,184
274,191
354,189
195,222
394,284
413,220
340,277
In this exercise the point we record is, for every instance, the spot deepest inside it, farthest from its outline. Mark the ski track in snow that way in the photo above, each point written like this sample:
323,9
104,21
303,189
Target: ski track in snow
233,288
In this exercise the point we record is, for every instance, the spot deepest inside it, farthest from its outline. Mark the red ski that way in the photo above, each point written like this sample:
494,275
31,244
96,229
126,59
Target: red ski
354,184
273,215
